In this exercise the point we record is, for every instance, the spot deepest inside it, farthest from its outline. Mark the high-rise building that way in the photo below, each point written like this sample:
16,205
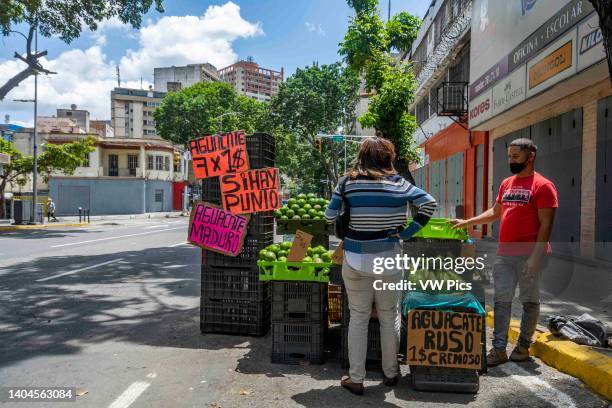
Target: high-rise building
168,79
249,79
132,112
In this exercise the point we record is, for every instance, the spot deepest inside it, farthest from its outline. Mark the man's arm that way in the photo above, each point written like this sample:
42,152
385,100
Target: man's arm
492,214
546,217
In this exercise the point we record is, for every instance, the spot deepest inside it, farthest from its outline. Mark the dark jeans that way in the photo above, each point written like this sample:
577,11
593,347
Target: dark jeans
507,273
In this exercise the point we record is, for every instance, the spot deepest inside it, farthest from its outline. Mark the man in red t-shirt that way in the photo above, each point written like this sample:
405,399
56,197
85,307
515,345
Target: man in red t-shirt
526,204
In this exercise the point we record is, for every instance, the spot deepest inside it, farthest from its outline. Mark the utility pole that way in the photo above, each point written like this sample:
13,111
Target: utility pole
389,12
35,144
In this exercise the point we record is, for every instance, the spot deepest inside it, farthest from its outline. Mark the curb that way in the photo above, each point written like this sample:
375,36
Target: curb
42,226
583,362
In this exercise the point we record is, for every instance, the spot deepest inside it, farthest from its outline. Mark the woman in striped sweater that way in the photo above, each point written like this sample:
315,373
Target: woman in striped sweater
378,199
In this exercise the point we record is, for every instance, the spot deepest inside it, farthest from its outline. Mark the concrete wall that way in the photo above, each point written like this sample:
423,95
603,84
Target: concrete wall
109,196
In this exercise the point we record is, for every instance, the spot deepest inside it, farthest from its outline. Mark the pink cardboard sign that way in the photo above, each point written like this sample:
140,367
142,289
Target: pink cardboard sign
215,229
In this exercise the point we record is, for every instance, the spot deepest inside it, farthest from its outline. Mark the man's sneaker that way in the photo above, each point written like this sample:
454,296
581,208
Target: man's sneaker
520,353
496,357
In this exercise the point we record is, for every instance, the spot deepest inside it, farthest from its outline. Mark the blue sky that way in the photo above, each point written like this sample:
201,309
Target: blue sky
276,33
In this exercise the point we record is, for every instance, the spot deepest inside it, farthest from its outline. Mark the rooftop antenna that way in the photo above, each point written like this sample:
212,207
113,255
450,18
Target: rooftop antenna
118,76
140,82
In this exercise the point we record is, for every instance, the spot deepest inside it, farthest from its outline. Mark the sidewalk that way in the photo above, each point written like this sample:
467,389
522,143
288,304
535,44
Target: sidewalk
568,288
95,219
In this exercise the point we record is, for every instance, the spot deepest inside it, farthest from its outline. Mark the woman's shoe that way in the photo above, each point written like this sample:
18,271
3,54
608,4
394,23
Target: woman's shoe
355,388
391,382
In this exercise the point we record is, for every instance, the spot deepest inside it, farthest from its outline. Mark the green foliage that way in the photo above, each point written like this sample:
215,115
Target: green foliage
56,158
367,49
315,99
65,18
363,6
198,109
403,29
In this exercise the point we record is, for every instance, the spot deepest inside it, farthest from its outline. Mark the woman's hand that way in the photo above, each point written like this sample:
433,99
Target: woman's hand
459,223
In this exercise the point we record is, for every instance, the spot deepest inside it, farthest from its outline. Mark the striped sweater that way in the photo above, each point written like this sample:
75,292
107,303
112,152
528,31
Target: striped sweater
379,208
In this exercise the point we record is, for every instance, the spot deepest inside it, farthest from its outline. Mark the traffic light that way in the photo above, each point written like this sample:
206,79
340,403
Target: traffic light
318,145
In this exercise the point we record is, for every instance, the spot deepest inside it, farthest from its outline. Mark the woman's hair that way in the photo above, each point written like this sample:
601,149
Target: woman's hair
374,159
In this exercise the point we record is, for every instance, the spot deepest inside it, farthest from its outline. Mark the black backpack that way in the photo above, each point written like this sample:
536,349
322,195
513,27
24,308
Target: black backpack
344,214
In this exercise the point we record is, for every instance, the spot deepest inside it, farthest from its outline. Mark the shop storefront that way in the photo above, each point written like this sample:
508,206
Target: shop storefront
540,73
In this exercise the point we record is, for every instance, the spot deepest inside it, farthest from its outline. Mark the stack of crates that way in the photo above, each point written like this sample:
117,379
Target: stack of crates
233,299
299,322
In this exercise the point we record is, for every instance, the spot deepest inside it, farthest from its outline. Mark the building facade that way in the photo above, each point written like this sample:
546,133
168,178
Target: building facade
539,72
452,166
168,79
132,112
80,116
249,79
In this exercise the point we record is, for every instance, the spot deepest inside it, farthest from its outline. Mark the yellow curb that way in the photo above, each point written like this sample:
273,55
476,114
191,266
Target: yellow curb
29,227
589,365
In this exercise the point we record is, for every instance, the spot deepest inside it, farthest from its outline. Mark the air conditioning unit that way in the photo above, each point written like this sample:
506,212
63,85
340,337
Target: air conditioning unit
452,99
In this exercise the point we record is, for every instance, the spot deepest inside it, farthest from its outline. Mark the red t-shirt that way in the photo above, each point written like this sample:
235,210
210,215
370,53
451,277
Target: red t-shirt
520,198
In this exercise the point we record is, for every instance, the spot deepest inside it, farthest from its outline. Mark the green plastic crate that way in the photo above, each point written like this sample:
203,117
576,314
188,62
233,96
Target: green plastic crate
293,271
313,227
441,228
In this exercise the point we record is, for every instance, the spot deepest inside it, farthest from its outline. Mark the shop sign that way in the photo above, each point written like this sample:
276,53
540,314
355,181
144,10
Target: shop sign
509,91
590,43
557,62
480,108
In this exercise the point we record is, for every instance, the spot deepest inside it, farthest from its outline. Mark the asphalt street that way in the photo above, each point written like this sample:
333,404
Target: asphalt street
114,311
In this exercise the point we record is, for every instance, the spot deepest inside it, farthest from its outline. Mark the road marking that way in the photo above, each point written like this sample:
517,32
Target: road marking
130,395
117,237
79,270
156,226
152,375
537,386
179,244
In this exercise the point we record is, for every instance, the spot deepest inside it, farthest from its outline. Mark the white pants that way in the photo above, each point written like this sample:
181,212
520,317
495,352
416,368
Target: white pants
361,295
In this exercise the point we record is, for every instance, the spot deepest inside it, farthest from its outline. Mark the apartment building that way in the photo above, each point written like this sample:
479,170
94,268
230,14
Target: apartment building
168,79
251,80
132,112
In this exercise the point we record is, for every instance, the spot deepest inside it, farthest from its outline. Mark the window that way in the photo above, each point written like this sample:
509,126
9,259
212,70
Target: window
132,161
159,194
166,163
86,162
159,162
149,162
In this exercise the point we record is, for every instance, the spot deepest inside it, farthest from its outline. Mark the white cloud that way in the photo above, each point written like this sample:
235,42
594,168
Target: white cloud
315,28
86,77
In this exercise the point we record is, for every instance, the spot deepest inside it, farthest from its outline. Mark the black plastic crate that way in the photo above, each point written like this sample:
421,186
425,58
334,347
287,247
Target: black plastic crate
296,343
261,150
247,257
427,378
374,351
299,302
320,240
228,283
261,223
233,316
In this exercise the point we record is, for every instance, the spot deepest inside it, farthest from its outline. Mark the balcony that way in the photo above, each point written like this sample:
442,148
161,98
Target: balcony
119,172
452,99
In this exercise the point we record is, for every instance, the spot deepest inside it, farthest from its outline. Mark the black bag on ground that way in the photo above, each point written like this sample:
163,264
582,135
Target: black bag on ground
584,329
344,215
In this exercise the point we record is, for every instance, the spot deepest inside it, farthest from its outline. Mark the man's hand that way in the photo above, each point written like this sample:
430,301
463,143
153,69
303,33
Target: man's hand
532,267
459,223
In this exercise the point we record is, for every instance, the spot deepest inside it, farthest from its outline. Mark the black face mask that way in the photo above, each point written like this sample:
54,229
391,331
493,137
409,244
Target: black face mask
516,168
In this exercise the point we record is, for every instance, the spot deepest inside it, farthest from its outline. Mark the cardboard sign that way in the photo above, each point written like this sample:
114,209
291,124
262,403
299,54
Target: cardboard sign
226,161
215,155
216,143
300,246
251,191
215,229
338,255
445,339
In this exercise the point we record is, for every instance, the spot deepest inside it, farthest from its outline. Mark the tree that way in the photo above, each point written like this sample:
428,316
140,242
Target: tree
318,99
56,158
604,11
367,48
63,19
207,108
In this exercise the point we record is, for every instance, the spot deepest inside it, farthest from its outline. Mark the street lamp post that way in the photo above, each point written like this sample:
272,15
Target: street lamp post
35,144
220,117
